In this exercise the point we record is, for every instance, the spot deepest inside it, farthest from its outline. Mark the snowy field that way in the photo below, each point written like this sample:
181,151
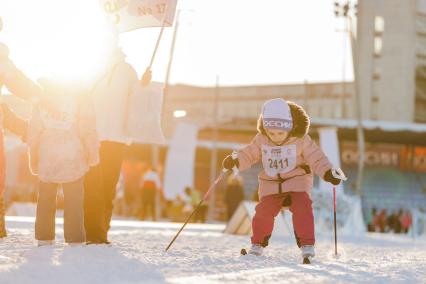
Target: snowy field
202,254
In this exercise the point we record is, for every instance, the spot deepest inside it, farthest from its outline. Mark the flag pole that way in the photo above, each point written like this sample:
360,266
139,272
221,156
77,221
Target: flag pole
169,67
158,39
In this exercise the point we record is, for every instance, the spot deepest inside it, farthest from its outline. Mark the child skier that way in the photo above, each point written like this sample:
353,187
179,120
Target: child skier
289,158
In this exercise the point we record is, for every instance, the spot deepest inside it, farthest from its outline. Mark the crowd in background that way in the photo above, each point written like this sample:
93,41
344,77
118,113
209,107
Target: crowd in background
140,195
398,221
146,201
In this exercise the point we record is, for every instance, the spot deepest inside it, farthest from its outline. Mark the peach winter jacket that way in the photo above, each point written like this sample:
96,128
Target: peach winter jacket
288,167
62,149
63,141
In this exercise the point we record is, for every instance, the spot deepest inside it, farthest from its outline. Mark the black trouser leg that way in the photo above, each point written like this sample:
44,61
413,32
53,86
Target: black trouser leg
94,205
111,159
100,183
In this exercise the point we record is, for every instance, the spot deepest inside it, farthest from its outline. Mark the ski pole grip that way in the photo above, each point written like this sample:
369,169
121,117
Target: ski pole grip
234,155
339,174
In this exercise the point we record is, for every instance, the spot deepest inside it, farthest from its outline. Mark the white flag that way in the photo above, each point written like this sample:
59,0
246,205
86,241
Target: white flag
143,123
134,14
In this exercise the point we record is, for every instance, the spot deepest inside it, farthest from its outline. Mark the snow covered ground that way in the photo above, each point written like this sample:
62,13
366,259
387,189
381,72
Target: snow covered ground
202,254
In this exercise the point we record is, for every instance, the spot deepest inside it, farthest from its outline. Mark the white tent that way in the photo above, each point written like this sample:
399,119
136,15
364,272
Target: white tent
240,222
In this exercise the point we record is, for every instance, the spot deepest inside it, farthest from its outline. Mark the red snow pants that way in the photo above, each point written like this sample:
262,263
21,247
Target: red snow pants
269,207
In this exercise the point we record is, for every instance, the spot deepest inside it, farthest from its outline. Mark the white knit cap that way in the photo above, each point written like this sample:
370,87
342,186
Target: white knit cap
276,114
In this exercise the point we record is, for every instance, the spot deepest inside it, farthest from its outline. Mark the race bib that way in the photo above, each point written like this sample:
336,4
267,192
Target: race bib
62,117
278,159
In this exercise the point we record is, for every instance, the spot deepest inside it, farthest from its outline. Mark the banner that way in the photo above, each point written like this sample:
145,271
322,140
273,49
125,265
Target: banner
329,143
143,122
134,14
180,162
404,157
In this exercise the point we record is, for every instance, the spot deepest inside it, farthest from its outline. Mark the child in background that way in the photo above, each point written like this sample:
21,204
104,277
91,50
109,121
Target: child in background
193,198
289,158
63,144
150,186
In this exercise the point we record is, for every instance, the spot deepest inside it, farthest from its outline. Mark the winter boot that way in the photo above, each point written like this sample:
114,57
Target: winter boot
308,252
256,250
42,243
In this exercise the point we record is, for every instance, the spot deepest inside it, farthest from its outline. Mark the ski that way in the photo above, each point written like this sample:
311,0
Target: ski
306,260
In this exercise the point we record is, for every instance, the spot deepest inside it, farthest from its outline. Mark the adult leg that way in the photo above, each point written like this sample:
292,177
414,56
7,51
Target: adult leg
154,206
94,206
142,213
111,156
303,218
73,211
3,232
46,209
205,208
263,221
197,214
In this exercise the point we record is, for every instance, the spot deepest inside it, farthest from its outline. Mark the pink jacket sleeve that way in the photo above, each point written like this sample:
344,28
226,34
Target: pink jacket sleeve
315,157
250,154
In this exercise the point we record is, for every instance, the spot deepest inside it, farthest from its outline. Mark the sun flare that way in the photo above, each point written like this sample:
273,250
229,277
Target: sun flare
72,43
81,50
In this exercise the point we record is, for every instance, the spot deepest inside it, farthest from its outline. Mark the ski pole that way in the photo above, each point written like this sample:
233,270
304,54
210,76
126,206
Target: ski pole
198,206
335,227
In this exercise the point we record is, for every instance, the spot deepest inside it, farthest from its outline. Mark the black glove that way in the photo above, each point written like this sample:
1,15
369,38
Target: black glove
328,177
228,163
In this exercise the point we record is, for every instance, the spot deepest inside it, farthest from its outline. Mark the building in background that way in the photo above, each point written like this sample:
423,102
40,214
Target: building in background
242,103
395,151
391,52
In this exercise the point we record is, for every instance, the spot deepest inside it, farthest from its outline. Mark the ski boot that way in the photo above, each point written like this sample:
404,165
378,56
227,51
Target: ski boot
308,252
255,249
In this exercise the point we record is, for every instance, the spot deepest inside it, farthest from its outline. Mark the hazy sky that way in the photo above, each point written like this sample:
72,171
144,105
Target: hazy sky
244,42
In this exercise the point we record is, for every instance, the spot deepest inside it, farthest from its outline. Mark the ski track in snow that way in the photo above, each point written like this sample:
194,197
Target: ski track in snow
202,254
